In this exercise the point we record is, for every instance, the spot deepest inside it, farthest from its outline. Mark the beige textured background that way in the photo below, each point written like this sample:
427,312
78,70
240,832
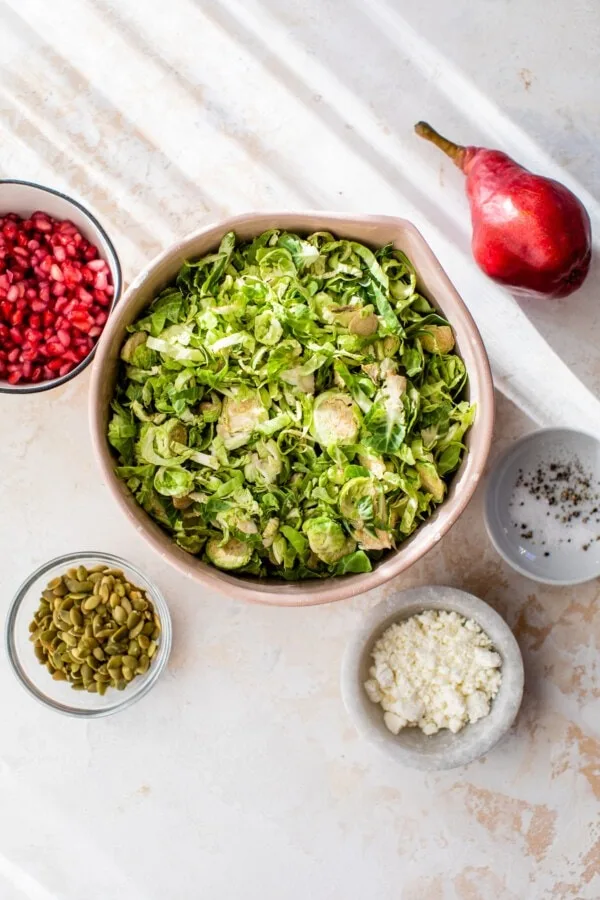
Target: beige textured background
240,776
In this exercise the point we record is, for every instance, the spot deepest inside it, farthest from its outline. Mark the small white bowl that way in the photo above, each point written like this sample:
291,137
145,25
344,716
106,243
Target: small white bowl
543,549
25,198
411,747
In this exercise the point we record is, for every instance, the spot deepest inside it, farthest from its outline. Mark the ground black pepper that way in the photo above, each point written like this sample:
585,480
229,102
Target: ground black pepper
569,488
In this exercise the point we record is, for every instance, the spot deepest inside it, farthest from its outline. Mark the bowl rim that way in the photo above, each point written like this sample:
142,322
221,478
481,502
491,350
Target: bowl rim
127,699
51,383
398,608
497,472
326,590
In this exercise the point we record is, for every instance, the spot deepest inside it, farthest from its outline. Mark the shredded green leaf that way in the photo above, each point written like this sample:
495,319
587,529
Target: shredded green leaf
290,407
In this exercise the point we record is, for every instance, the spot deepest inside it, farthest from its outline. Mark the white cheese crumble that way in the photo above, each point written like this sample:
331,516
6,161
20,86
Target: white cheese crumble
434,670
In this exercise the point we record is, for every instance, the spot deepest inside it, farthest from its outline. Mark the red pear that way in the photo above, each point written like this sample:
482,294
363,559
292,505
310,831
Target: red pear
530,233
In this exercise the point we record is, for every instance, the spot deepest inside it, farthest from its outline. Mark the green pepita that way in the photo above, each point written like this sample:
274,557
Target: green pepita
94,629
90,604
119,615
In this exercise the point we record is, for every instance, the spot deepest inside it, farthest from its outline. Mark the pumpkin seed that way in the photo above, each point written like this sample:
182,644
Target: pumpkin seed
132,619
134,648
94,629
72,584
143,664
126,605
90,604
136,630
119,615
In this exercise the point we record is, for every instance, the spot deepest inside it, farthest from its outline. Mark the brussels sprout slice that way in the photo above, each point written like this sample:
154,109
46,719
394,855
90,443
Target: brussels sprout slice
327,539
232,555
431,481
362,501
239,417
437,338
336,419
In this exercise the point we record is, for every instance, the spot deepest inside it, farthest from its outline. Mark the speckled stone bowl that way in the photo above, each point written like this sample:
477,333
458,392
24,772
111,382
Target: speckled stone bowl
375,231
411,747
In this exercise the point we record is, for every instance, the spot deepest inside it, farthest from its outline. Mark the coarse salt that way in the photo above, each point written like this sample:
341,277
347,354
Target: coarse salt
434,670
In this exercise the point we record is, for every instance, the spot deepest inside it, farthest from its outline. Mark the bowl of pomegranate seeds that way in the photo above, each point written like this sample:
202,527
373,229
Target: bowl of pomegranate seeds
60,278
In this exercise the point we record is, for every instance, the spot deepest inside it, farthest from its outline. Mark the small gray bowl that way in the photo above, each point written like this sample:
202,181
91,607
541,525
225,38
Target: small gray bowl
528,536
411,747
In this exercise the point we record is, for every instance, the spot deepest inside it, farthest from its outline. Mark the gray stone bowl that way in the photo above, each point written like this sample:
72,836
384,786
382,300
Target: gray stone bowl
411,747
569,555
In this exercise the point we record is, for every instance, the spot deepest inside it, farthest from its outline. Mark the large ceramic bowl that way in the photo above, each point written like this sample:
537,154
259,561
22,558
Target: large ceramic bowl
433,282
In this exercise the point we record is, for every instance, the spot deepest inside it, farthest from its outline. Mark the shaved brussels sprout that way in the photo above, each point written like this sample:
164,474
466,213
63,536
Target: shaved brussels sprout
240,416
437,338
336,419
233,554
327,539
290,406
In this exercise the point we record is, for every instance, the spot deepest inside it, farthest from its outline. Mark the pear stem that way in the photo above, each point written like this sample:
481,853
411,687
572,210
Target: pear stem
456,152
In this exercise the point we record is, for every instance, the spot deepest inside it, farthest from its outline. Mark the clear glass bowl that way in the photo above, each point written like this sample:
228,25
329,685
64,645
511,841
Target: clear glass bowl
36,679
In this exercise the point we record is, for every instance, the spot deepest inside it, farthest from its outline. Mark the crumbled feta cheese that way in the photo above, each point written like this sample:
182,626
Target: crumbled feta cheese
434,670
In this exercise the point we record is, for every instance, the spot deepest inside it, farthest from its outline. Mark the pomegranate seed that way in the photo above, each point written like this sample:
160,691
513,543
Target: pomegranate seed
84,295
54,348
42,224
54,291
